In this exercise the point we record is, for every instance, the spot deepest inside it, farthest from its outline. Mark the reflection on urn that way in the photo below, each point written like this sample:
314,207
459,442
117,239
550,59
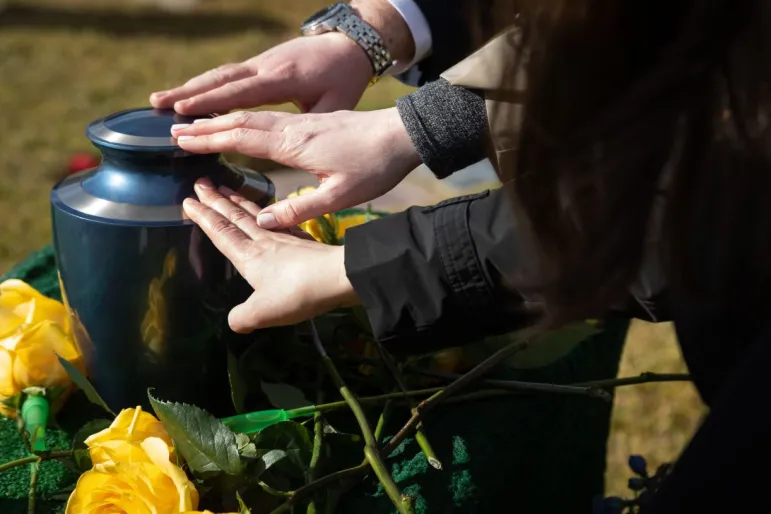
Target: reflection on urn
155,321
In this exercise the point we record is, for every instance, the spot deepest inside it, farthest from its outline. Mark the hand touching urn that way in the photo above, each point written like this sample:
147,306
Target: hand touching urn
357,156
294,279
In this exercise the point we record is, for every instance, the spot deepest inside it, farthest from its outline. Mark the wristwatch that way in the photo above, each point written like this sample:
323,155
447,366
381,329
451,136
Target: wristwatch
340,17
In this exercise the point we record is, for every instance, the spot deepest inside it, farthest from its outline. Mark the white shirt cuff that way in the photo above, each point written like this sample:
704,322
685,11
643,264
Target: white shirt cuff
421,33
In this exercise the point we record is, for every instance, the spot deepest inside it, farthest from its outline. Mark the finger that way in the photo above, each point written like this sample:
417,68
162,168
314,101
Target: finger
259,311
240,119
247,205
212,198
255,143
248,92
200,84
229,239
254,209
245,318
297,209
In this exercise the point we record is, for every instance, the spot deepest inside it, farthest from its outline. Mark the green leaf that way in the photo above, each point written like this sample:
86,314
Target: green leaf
53,393
284,396
243,509
12,402
208,446
285,441
246,447
89,429
80,380
82,460
238,387
328,230
272,457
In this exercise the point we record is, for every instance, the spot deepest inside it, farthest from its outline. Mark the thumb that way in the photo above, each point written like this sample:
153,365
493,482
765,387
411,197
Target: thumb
246,318
290,212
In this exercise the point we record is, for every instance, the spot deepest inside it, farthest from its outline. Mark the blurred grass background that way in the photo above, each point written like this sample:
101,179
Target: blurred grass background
64,63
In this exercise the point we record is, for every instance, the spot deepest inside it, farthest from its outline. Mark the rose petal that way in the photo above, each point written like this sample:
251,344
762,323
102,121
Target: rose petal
8,386
158,452
36,362
117,452
30,304
133,425
9,321
10,342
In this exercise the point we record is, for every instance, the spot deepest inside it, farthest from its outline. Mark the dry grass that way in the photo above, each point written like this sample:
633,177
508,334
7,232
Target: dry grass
61,69
655,420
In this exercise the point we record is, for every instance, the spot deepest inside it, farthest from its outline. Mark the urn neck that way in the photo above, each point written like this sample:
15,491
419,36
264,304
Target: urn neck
155,178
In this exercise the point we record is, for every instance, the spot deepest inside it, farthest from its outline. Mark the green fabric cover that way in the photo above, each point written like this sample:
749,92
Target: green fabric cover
527,454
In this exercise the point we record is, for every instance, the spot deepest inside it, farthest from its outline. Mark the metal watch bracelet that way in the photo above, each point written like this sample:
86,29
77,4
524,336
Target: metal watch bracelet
370,42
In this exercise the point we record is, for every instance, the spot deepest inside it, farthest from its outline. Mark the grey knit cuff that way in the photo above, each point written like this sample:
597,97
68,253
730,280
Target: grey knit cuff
447,125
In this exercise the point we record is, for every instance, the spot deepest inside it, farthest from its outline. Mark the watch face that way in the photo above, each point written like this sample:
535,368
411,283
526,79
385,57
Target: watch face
322,15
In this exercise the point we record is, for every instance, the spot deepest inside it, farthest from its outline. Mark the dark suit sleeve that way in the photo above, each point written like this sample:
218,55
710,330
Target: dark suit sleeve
452,33
432,277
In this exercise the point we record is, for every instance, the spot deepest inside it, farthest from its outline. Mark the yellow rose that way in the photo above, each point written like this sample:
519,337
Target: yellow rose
345,222
129,426
21,304
34,329
138,478
312,226
337,222
153,327
301,191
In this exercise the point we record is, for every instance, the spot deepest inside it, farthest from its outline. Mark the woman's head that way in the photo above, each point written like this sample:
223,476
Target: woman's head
620,92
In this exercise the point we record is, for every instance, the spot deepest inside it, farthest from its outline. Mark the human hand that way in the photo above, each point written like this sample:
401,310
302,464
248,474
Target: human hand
357,156
318,74
322,73
294,279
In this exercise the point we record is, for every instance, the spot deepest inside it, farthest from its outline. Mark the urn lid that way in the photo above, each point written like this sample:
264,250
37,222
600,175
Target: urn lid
142,130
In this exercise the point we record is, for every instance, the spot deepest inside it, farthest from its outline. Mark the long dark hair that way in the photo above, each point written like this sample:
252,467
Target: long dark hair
622,94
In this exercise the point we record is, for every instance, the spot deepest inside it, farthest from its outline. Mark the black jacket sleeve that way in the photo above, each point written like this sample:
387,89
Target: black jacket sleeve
432,277
452,33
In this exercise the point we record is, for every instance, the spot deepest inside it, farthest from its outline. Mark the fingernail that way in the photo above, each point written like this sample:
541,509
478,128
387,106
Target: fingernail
190,202
267,221
185,138
179,126
160,94
199,120
204,183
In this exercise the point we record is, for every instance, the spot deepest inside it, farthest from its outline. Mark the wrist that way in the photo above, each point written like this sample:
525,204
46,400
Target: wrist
343,294
356,59
389,24
398,141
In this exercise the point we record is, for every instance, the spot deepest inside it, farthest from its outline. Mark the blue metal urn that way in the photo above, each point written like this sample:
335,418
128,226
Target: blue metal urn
148,293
